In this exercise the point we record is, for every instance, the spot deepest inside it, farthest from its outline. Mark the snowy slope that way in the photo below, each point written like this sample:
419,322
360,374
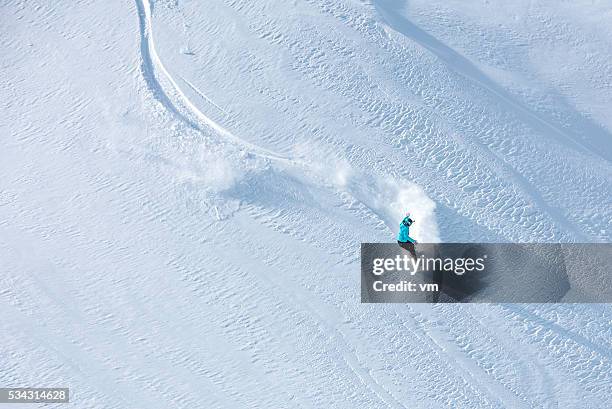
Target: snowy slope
184,187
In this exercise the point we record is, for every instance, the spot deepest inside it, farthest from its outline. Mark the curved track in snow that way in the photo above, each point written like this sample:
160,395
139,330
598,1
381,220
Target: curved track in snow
175,99
152,66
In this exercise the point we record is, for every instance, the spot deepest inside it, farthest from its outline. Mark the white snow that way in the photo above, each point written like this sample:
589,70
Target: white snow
184,187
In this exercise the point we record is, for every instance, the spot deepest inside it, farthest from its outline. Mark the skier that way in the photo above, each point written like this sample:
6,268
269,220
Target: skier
403,239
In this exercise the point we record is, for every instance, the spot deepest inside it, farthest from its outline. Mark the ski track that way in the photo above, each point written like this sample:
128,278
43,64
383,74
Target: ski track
146,24
151,61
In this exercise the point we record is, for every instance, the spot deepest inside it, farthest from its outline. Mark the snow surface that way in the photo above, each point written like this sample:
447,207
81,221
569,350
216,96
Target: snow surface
184,186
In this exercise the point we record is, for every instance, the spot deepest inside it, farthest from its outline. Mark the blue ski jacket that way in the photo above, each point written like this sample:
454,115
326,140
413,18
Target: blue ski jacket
404,232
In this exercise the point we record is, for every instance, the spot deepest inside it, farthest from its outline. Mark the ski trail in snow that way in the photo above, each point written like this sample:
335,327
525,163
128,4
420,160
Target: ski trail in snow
146,23
152,64
148,71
